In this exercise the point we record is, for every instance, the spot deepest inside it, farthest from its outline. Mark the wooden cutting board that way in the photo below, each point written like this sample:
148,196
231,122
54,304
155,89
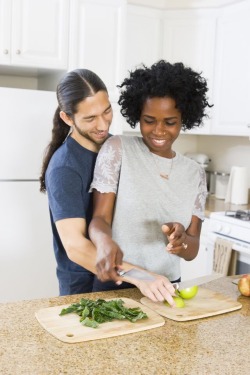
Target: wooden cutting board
67,328
206,303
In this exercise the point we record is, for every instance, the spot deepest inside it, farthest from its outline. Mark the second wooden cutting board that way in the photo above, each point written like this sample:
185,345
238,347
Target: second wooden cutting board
67,328
206,303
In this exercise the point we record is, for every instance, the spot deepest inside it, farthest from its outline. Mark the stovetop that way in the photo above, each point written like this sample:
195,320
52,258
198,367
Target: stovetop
239,218
239,214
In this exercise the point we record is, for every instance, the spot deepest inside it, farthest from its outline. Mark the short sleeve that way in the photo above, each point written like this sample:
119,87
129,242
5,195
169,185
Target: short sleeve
108,165
199,205
64,188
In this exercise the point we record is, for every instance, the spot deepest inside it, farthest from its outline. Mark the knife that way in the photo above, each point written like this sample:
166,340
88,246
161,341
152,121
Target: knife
143,275
198,281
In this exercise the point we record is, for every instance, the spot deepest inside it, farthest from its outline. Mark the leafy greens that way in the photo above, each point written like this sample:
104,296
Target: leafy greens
92,313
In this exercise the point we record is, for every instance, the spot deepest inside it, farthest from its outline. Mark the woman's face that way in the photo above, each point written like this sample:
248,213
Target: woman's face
160,125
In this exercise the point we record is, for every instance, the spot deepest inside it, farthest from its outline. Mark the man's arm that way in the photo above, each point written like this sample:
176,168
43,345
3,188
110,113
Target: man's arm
82,251
79,249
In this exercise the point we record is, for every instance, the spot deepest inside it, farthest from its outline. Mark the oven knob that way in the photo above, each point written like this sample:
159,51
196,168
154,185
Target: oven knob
226,230
218,228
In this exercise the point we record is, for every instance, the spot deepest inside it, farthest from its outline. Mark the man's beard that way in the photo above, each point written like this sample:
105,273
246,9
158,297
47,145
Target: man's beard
86,136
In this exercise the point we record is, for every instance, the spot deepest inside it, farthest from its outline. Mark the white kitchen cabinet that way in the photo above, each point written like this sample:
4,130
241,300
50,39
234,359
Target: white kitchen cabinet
232,72
189,37
97,34
200,265
186,36
144,25
34,33
5,32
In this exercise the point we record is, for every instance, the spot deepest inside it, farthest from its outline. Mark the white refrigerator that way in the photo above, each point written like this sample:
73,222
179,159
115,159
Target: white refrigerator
27,264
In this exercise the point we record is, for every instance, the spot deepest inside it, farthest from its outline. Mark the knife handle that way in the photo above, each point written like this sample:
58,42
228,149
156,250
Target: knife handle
121,272
176,286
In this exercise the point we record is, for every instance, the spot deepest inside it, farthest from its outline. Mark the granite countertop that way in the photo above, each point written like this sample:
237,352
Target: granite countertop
210,346
213,205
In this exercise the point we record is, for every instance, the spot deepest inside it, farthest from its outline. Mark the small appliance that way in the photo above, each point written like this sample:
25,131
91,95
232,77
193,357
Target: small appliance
201,159
204,161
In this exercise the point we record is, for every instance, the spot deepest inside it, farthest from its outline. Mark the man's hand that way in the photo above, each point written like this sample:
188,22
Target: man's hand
176,236
109,259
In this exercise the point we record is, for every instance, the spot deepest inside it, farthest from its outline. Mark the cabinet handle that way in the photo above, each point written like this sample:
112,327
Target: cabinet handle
18,51
5,51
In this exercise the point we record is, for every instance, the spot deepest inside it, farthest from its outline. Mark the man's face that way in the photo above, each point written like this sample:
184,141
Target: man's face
92,120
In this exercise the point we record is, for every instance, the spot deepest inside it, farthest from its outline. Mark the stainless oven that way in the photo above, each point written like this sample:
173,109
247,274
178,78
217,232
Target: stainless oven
233,226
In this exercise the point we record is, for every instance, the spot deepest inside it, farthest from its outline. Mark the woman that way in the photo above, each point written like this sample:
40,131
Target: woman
140,183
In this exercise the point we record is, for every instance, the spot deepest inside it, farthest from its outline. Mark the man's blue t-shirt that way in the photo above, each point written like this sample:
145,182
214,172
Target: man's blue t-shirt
67,180
68,177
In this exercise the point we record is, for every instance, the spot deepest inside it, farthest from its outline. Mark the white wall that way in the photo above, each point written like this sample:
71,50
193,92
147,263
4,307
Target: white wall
223,151
186,143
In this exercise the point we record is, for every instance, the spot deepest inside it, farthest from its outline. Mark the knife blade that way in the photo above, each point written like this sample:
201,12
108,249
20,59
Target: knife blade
197,281
143,275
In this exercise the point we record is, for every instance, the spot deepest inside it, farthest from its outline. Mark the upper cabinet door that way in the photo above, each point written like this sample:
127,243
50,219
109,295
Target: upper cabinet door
39,33
143,36
97,35
189,37
5,31
143,42
232,73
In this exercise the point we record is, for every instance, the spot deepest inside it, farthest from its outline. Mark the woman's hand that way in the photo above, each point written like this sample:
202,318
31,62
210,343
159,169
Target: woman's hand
176,236
183,243
158,289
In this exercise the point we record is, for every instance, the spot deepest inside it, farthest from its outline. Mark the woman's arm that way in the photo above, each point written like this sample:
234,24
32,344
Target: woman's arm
109,255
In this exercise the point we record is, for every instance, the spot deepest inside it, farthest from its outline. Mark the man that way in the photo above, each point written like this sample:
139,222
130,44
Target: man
80,126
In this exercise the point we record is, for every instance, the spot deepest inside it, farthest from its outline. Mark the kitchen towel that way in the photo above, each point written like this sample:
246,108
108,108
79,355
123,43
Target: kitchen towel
222,256
237,190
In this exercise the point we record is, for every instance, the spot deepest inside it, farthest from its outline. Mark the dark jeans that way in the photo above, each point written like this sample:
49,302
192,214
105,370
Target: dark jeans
74,282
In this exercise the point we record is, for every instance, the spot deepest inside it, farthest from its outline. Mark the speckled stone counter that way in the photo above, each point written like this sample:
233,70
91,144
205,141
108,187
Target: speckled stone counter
211,346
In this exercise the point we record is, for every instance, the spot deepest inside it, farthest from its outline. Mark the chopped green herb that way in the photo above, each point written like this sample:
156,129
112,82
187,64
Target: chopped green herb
92,313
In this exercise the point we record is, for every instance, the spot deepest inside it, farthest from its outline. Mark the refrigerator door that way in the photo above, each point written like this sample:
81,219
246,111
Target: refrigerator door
27,264
25,128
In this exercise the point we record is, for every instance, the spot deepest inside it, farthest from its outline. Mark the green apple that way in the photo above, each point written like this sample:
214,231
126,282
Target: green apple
188,293
178,302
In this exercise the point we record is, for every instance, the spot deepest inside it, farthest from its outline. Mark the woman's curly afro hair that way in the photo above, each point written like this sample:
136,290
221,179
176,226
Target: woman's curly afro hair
187,87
